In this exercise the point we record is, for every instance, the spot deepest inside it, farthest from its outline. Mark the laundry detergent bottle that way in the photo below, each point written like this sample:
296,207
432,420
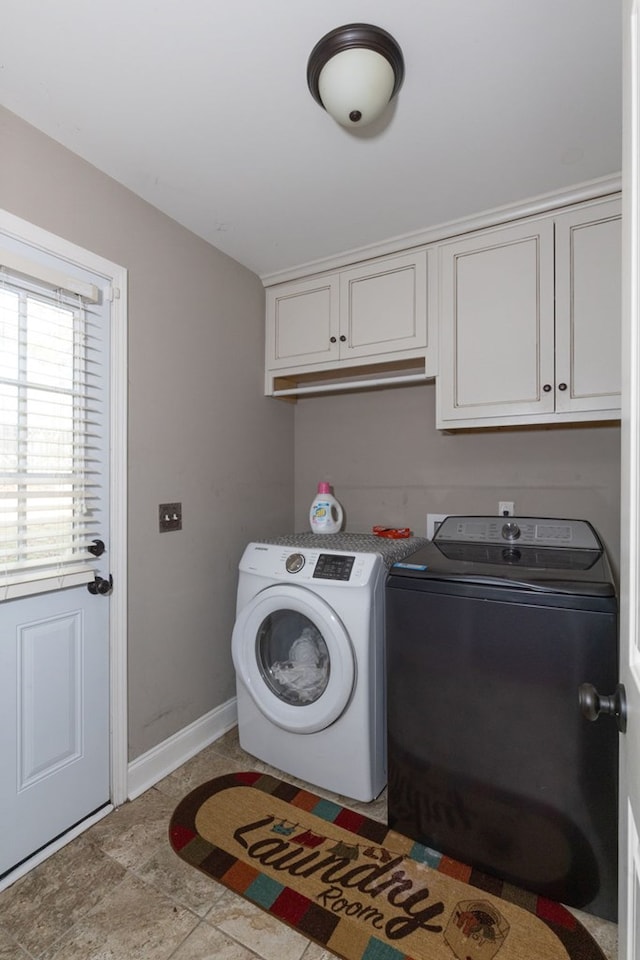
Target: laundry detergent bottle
325,515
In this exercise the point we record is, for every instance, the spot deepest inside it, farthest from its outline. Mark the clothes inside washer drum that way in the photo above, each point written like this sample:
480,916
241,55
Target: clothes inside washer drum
305,674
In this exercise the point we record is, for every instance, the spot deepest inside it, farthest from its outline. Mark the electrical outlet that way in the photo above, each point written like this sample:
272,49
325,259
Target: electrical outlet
506,508
433,522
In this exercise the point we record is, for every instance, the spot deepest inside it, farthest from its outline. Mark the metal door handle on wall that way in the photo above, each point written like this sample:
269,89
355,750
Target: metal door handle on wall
593,705
96,547
100,586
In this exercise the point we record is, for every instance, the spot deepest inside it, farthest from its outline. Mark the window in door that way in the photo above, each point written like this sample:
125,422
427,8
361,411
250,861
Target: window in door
51,411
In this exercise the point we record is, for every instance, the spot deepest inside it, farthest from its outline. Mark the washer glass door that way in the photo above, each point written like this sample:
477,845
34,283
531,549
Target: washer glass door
293,657
293,654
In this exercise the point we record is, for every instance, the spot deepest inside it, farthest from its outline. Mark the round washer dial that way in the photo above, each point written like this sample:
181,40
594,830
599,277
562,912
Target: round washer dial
295,562
511,531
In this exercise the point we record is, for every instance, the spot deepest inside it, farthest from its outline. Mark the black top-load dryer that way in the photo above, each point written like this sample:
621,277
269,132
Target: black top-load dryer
493,630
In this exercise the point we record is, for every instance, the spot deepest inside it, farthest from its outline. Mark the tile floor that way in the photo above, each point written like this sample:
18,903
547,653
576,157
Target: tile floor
119,892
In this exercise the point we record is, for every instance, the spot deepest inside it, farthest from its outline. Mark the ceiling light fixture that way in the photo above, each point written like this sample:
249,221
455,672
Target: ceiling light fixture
354,71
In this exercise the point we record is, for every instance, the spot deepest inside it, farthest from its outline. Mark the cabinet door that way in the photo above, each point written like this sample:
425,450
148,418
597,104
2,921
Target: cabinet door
496,325
383,307
588,308
302,322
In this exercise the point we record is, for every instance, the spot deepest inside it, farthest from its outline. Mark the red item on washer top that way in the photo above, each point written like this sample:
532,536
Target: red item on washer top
392,533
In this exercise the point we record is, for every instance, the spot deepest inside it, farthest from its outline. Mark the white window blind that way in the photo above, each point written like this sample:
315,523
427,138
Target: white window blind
50,419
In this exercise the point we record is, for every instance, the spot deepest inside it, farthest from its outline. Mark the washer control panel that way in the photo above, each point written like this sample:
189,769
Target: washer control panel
329,566
333,566
525,531
288,564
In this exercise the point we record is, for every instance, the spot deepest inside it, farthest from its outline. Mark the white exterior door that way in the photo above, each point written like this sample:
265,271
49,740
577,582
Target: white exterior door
54,717
629,904
56,661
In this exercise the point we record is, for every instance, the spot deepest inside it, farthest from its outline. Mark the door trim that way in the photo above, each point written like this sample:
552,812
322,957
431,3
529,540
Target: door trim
116,288
118,639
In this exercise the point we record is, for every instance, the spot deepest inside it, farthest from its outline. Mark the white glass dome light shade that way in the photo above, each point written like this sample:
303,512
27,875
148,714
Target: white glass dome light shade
356,86
354,71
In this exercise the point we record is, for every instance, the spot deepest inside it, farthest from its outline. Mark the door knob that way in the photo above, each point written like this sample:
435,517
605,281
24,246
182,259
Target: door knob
96,547
593,705
100,586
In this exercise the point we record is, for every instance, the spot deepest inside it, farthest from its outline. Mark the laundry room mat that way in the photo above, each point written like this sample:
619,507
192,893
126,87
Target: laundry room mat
357,888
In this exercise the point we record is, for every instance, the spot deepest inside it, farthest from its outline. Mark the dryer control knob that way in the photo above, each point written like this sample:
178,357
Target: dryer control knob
295,562
510,531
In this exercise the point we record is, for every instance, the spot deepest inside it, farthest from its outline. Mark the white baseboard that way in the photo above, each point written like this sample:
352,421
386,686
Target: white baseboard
144,772
160,761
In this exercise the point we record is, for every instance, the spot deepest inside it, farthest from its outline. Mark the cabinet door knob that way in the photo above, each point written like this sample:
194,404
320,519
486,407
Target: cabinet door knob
562,386
332,340
343,338
547,387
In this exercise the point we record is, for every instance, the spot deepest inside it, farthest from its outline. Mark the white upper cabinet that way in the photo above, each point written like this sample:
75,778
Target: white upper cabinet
303,320
588,308
510,352
374,313
383,307
519,322
496,323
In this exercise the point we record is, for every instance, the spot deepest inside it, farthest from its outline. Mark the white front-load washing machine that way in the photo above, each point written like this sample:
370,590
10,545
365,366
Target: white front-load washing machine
308,650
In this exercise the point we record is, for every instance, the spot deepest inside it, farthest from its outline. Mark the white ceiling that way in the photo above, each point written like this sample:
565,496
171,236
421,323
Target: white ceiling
201,107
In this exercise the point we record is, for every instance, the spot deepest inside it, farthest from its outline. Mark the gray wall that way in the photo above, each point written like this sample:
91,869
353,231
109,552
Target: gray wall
389,464
200,429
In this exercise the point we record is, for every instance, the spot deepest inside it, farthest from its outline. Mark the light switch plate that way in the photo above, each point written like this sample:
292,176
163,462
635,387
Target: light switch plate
170,517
